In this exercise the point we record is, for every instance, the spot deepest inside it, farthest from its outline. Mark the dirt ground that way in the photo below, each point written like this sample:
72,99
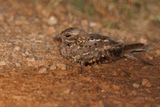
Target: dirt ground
33,74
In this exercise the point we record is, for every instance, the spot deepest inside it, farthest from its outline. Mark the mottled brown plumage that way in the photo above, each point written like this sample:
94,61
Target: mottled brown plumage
85,48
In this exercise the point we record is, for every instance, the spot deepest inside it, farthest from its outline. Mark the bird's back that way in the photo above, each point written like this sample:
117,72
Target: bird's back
93,49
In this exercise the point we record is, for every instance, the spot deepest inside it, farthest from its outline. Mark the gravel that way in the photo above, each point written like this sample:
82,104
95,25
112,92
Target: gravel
2,63
52,21
62,66
146,83
42,70
53,67
17,48
136,85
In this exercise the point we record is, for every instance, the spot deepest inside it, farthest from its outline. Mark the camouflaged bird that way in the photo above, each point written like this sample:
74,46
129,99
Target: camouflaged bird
85,48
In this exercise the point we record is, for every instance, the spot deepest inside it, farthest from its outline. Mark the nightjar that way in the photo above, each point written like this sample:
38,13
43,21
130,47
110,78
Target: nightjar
85,48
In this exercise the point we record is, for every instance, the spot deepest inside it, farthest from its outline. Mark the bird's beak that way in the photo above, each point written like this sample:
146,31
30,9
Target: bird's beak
57,38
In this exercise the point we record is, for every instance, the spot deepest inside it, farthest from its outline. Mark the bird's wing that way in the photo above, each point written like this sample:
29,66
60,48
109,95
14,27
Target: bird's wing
102,38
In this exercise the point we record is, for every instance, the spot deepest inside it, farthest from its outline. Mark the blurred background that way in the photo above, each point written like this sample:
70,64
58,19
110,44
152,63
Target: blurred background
141,17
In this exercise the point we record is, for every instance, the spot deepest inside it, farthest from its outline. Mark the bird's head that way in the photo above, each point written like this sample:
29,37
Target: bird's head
69,34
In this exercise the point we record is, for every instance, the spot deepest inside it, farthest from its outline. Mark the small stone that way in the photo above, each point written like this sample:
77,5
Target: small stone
67,91
146,83
52,20
2,63
30,61
150,57
102,91
50,30
53,67
115,73
115,87
157,52
43,70
17,64
97,104
1,17
36,63
136,85
26,53
17,48
92,24
143,40
84,23
62,66
133,93
11,19
21,21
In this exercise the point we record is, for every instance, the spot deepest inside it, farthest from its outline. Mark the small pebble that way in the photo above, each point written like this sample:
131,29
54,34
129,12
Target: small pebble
26,53
17,64
52,20
157,52
21,21
115,87
92,24
143,40
85,24
115,73
146,83
51,30
17,48
2,63
133,93
36,63
62,66
136,85
53,67
43,70
30,61
67,91
149,57
97,104
1,17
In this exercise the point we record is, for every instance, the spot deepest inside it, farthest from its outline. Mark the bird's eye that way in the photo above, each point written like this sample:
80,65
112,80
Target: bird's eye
95,44
67,35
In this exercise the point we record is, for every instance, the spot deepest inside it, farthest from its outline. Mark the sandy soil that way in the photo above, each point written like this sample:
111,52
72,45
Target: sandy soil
32,72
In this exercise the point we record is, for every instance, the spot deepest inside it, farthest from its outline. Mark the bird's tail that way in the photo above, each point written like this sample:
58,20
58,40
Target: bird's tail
135,47
122,49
